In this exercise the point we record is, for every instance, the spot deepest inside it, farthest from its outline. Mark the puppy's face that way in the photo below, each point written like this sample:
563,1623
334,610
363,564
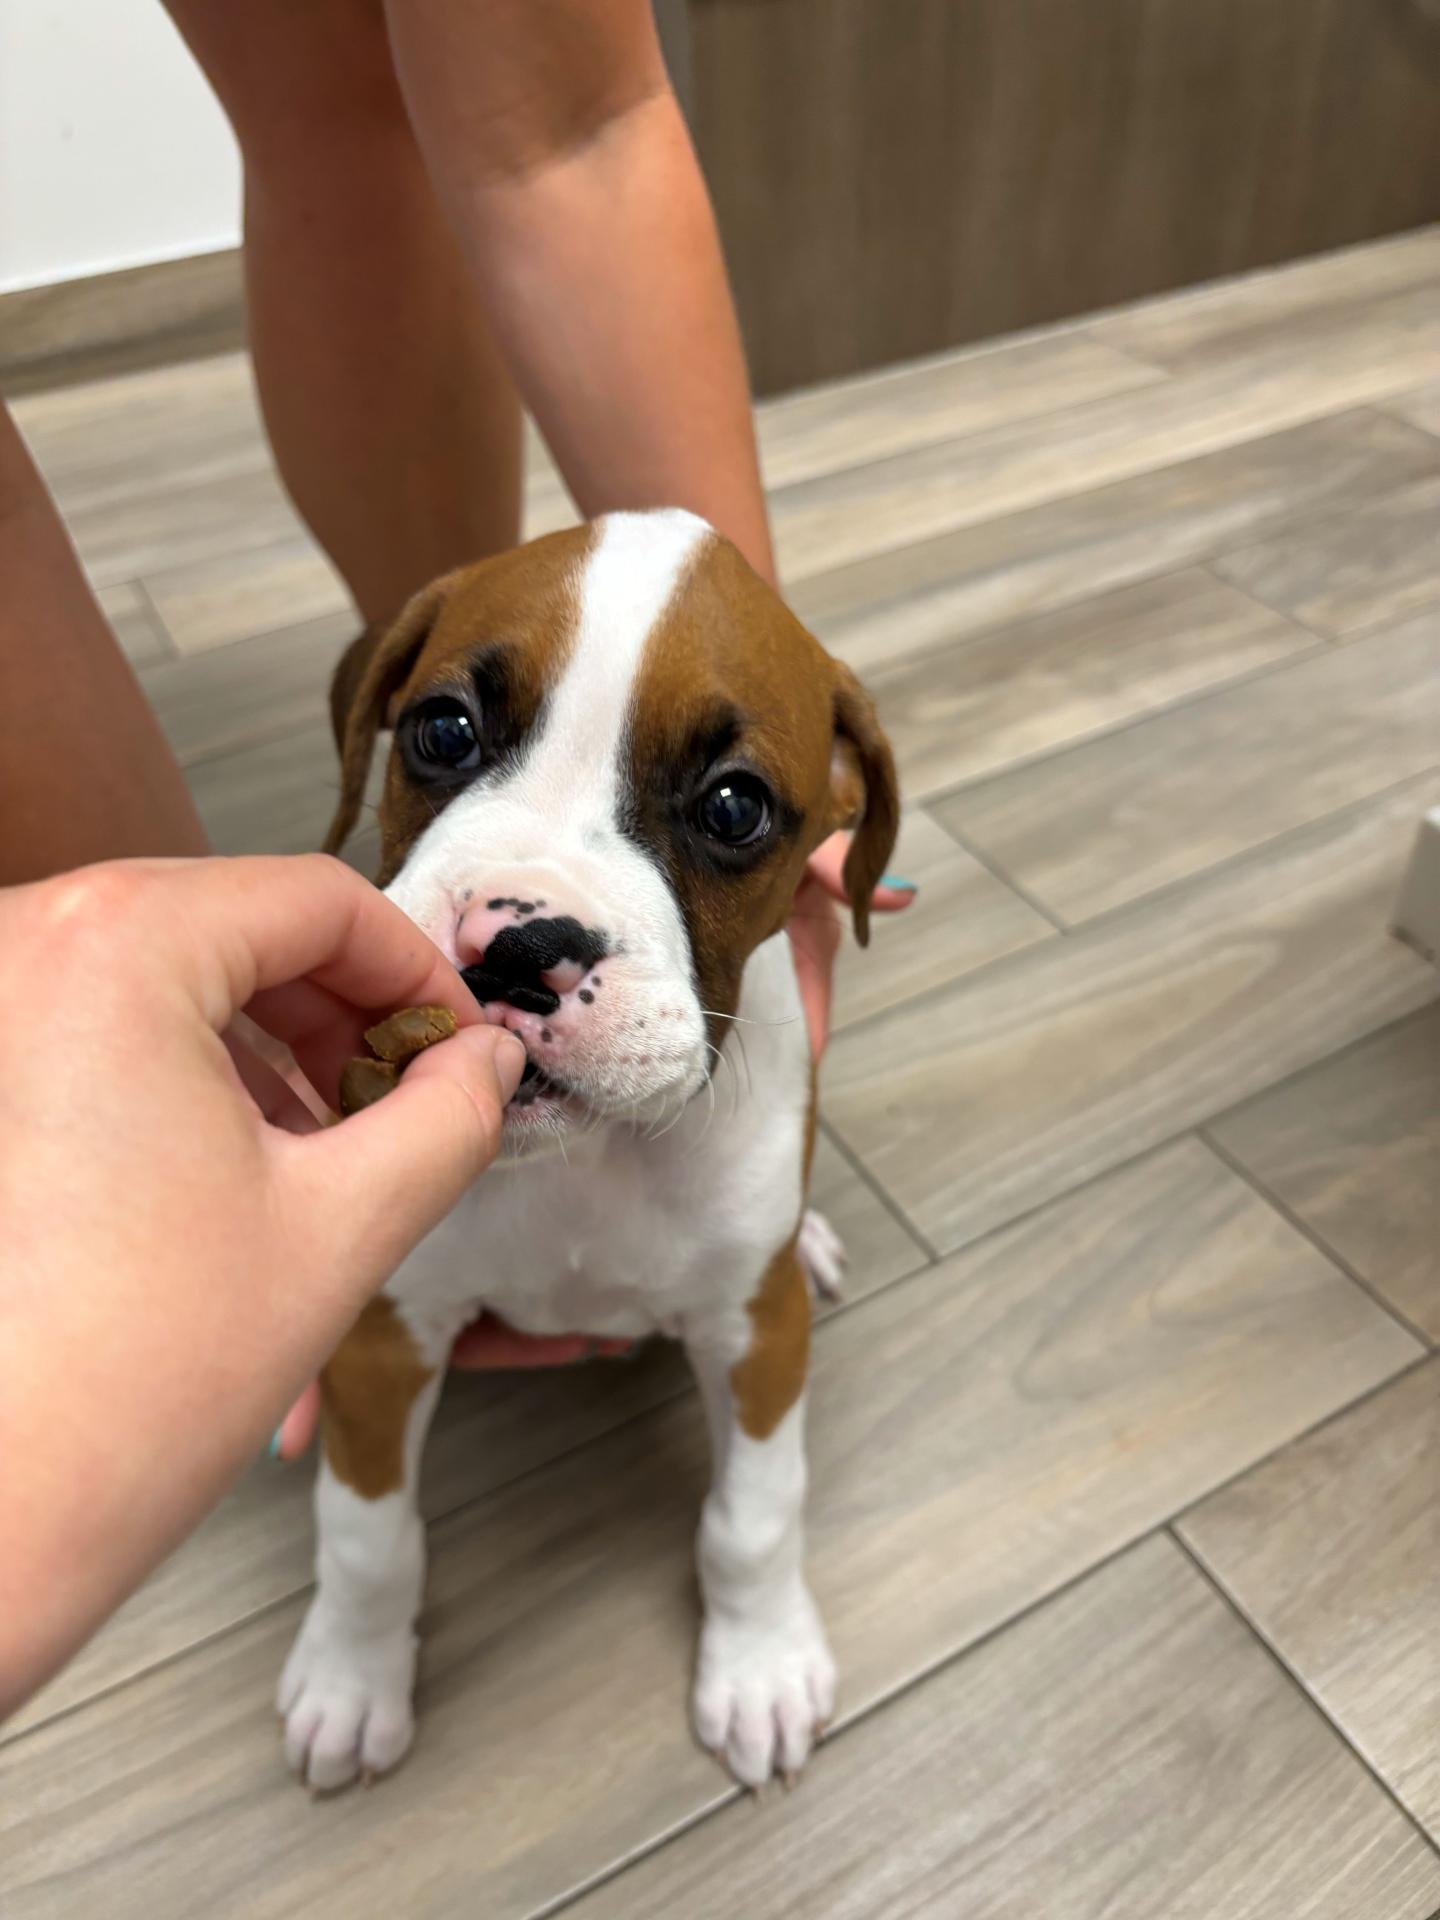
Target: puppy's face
614,750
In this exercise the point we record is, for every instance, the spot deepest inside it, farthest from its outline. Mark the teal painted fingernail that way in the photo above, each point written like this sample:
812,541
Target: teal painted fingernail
897,883
273,1450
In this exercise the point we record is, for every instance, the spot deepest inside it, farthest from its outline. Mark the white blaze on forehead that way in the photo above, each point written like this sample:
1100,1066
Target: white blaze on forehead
629,578
558,809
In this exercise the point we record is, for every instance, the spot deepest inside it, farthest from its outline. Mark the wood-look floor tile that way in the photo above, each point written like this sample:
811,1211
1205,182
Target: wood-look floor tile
991,1096
878,1249
1127,1751
211,703
962,918
1026,689
981,1433
232,596
826,428
1333,1551
1377,563
157,427
143,531
1352,1148
276,797
257,1547
1422,407
1118,817
133,622
920,596
1385,347
1232,316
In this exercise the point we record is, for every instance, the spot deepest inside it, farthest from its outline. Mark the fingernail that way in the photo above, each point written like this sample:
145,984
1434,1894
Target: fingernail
273,1450
509,1061
898,884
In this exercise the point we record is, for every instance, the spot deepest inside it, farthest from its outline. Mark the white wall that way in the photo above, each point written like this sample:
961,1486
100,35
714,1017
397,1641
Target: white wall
112,149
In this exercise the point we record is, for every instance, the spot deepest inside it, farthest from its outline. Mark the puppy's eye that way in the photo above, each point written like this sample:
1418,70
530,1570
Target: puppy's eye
735,811
443,737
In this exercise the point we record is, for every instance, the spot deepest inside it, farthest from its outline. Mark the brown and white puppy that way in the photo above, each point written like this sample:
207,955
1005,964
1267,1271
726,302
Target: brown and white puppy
614,750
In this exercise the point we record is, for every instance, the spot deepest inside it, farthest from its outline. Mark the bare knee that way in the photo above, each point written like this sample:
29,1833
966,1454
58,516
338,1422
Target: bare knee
304,87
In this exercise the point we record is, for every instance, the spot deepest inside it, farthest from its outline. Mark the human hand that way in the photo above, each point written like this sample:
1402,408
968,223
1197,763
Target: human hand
487,1345
815,930
181,1252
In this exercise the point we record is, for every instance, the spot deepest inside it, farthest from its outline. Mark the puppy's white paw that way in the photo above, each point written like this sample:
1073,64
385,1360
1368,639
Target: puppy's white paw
764,1690
822,1255
346,1701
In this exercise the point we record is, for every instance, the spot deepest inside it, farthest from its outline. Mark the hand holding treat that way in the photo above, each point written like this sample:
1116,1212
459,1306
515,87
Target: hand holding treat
184,1245
393,1045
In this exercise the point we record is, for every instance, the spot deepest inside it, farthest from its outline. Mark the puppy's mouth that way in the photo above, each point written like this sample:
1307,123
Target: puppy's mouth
537,1084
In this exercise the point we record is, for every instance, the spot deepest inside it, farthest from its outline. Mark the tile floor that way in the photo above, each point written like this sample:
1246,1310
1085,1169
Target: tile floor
1126,1440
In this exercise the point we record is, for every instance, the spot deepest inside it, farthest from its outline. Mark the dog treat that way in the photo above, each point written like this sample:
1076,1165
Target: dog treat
394,1043
409,1032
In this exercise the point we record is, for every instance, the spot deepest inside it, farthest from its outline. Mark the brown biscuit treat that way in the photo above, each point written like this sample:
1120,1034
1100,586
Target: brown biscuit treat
364,1081
409,1032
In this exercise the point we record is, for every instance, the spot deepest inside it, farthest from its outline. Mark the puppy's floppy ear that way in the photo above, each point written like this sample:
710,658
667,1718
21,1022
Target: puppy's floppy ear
864,794
371,670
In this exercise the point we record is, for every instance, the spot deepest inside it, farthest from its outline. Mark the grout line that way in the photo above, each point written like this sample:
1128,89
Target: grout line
845,1722
1145,902
1292,1674
1271,844
684,1391
1094,327
443,1519
123,567
170,651
1417,1364
965,520
1213,566
996,872
1414,1017
1285,519
892,1206
888,671
1163,1529
1058,749
1394,408
1287,1213
1216,690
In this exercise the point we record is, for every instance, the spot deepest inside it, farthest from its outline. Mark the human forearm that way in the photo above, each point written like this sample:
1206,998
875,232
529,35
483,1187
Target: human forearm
590,233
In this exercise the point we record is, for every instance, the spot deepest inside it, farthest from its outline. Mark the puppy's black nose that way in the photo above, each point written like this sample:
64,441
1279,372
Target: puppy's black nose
531,963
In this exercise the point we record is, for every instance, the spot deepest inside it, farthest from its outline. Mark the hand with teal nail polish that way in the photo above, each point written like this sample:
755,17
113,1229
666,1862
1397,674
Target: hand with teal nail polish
815,932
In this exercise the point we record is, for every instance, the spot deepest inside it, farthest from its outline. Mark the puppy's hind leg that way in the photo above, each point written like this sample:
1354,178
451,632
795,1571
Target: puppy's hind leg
765,1681
345,1691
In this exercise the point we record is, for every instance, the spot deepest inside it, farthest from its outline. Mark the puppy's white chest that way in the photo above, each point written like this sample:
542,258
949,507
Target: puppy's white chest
582,1249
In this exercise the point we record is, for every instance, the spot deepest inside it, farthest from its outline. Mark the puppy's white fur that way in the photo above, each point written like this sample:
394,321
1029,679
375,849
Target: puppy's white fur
639,1229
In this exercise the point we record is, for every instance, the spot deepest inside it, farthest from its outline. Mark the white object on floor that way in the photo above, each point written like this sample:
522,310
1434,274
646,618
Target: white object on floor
1417,912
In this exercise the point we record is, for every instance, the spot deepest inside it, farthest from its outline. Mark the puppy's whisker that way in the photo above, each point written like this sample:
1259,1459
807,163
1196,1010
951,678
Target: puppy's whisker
744,1020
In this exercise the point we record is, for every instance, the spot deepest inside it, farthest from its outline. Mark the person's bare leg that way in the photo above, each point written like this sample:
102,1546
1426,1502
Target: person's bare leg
85,772
394,423
561,156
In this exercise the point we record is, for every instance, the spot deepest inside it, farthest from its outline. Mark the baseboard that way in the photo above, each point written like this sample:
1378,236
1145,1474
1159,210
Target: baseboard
116,322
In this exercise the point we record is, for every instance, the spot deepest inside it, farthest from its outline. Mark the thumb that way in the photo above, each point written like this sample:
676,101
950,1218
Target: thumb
373,1186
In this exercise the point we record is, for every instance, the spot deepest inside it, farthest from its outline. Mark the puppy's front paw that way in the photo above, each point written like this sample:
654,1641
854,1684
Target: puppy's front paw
764,1690
346,1701
822,1255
